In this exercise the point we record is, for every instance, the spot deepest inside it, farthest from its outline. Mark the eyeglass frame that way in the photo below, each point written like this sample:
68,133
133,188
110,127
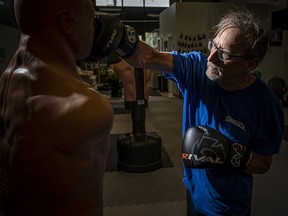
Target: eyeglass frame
220,52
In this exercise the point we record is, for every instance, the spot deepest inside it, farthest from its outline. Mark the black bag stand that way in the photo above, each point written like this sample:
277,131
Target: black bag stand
139,151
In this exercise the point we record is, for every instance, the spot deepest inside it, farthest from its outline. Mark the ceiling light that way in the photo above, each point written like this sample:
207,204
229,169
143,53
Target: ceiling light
153,15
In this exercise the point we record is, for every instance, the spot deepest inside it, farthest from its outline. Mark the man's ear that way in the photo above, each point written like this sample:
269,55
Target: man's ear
252,63
66,21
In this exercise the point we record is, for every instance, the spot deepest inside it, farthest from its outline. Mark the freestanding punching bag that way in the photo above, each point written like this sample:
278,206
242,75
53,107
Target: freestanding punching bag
139,151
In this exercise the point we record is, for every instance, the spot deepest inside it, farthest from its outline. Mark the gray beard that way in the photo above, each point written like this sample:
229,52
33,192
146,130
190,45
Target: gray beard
213,76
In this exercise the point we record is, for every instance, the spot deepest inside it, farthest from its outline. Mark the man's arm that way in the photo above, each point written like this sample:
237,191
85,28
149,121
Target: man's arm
204,147
259,164
112,36
146,56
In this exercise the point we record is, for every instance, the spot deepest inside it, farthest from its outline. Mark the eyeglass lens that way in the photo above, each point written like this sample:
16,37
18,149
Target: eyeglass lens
212,46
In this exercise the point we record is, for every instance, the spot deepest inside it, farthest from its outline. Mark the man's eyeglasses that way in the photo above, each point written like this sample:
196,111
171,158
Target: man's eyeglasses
222,54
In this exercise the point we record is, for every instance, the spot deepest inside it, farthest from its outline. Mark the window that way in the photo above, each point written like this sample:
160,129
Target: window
157,3
133,3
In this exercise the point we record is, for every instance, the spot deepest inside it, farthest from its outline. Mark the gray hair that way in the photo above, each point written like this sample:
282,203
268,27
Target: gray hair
253,27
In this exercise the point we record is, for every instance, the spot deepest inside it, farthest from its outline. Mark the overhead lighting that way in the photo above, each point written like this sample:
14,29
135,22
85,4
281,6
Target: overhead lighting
152,15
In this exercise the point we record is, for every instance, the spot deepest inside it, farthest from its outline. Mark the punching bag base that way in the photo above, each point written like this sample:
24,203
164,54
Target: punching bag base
139,153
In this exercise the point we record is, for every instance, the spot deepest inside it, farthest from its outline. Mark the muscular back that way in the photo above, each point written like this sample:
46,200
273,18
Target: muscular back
57,129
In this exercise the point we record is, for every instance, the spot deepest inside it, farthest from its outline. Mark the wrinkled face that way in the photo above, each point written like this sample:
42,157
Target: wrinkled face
229,56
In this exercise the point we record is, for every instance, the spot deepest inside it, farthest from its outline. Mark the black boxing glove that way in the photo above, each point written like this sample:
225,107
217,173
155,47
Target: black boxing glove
128,43
107,36
111,35
204,147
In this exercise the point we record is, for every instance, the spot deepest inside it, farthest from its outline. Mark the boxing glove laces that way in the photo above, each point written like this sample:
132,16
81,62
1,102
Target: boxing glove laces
204,147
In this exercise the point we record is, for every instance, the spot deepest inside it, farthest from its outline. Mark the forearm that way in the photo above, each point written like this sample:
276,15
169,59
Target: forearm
259,164
146,56
162,61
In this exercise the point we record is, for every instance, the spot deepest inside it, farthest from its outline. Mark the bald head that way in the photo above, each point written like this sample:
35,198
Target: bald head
34,15
59,25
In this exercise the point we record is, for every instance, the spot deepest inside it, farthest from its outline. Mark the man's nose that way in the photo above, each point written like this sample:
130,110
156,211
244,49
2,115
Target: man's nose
213,56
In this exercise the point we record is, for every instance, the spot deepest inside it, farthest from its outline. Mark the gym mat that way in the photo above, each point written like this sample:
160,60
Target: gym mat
111,165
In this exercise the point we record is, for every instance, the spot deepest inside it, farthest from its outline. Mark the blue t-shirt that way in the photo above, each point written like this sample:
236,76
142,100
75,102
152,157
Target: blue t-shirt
251,116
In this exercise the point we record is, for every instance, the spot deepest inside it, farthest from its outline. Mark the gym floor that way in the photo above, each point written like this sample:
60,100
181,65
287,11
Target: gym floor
161,192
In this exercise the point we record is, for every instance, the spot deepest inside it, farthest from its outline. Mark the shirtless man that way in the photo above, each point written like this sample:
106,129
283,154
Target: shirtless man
54,128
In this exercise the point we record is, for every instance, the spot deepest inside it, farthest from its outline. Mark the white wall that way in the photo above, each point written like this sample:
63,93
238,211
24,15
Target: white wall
276,61
194,17
8,44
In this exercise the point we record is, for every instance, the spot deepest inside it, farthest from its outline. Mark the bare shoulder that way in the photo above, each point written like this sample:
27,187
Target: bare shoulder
97,107
55,102
16,80
15,84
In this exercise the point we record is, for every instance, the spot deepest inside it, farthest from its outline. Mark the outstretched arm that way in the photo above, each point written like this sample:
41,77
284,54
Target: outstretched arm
146,56
111,35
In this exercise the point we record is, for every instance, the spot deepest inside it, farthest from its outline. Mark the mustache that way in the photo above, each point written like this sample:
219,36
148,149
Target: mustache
211,65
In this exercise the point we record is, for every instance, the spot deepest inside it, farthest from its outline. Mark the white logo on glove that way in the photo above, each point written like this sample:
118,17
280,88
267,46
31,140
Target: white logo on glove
112,37
236,159
131,35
